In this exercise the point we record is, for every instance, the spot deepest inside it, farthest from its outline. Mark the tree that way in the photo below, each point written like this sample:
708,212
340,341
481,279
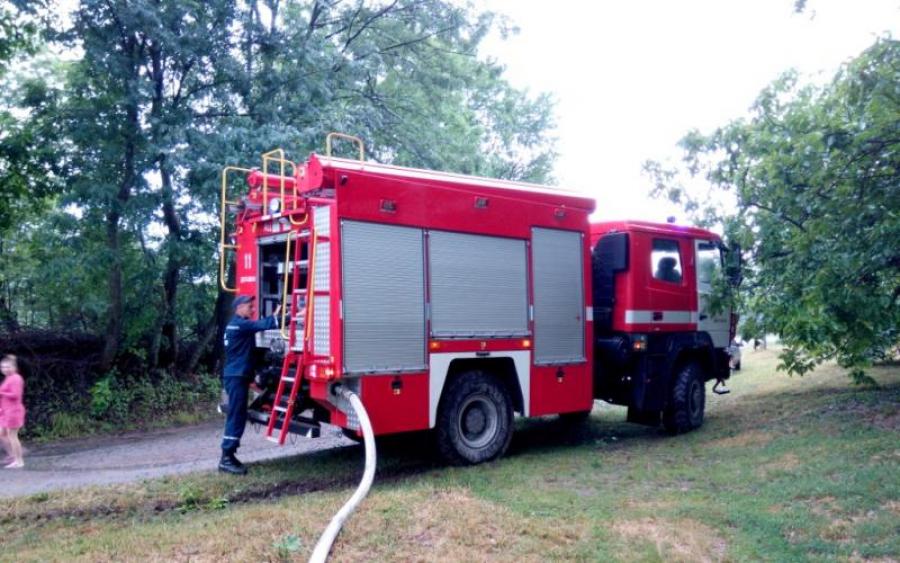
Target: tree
814,174
29,168
166,93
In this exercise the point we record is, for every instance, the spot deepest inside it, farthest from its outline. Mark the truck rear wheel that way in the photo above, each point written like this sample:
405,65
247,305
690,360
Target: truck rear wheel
475,419
687,401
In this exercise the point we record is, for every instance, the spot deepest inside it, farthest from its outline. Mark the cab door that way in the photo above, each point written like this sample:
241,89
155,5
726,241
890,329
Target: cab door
709,267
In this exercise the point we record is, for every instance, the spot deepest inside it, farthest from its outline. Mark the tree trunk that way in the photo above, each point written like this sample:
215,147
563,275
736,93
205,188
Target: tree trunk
115,311
166,348
213,330
114,288
7,315
222,315
173,267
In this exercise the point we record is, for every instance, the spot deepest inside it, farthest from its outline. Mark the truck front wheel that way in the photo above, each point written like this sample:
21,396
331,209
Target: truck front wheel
687,401
475,419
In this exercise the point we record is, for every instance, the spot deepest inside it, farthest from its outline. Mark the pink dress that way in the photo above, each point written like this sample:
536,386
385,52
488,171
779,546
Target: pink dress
12,409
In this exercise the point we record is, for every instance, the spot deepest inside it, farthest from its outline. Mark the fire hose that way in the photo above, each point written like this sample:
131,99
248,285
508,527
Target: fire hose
323,546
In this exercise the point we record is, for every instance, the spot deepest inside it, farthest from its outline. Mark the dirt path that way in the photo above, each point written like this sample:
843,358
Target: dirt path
142,455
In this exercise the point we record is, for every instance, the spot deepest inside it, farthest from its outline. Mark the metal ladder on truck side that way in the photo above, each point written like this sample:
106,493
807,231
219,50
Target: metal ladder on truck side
296,359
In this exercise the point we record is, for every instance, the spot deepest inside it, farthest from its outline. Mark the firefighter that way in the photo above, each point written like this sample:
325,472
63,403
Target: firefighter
239,340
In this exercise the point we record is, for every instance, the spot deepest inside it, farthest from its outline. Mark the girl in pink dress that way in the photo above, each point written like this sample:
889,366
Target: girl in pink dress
12,410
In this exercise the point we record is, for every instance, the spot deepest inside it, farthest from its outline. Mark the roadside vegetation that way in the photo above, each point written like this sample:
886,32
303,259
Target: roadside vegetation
116,119
785,468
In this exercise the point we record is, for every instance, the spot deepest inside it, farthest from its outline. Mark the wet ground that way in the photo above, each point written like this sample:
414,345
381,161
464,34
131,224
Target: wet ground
143,455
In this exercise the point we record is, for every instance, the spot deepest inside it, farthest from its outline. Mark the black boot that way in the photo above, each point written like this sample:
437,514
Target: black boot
230,464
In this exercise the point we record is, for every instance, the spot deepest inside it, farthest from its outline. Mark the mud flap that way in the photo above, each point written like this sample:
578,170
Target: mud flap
647,418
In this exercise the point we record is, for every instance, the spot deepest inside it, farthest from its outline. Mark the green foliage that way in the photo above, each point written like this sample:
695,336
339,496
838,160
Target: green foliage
118,402
102,396
64,425
191,497
287,545
111,159
129,399
813,178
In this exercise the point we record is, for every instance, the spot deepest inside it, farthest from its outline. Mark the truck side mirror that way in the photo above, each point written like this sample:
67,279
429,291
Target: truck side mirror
734,265
612,250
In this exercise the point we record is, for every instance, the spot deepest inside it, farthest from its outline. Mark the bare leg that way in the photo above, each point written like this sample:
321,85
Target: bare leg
4,442
15,448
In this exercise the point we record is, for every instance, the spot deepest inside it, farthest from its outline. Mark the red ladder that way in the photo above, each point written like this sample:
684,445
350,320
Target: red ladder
295,361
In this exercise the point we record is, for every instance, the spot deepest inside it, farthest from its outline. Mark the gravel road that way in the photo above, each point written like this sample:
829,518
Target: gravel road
143,455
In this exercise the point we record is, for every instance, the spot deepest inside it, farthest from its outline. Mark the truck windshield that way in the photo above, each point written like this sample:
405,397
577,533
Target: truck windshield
709,263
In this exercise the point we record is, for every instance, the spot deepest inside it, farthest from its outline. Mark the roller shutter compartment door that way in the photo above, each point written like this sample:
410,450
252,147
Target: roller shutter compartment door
558,262
479,286
383,298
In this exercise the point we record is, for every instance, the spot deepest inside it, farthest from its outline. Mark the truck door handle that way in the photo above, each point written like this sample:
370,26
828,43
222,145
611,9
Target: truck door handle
703,317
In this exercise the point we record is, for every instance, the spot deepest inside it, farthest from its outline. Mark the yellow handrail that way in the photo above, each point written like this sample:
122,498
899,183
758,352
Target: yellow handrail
283,164
279,158
288,259
311,293
222,218
351,138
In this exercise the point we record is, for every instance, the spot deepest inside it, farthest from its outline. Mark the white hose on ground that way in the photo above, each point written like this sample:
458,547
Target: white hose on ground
323,546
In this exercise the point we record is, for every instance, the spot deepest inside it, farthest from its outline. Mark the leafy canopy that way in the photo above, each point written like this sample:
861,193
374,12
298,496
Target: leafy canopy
124,139
815,177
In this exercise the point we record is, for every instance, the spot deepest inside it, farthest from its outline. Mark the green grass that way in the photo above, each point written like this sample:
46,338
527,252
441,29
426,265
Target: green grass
785,469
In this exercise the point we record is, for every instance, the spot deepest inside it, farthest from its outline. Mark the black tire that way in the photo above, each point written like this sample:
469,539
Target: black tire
475,419
687,401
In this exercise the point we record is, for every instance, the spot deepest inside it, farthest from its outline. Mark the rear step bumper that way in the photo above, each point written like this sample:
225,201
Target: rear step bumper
303,426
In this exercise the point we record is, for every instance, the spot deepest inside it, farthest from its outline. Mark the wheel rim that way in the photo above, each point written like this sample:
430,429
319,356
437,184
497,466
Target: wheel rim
478,421
696,400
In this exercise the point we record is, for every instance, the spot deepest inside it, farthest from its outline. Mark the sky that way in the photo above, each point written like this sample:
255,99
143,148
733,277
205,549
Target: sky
630,78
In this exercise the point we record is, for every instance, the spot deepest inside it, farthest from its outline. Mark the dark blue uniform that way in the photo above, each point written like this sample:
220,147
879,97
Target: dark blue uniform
239,341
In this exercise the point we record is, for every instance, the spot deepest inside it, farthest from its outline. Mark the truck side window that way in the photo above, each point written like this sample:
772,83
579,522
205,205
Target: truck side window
665,260
709,261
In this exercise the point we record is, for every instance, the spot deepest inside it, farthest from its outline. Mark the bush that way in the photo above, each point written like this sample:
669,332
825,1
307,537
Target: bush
148,400
65,425
66,394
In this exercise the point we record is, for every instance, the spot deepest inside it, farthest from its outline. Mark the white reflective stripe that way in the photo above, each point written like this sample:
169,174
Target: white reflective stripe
589,314
668,317
439,364
229,438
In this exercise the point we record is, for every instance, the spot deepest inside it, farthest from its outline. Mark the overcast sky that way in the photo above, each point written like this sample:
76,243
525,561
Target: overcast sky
631,78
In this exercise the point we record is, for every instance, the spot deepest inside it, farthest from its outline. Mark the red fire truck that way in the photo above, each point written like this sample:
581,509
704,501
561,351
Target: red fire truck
451,303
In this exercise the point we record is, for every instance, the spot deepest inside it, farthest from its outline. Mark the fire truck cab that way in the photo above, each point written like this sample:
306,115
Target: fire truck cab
450,303
658,337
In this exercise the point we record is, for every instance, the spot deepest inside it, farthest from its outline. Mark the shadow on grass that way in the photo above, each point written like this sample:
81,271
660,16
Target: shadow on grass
411,457
409,454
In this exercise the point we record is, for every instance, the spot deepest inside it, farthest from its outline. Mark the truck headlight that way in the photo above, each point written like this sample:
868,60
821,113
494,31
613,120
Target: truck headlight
274,205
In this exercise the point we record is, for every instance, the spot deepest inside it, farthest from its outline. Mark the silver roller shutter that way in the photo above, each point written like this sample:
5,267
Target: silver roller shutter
322,282
384,297
322,220
478,285
322,325
558,296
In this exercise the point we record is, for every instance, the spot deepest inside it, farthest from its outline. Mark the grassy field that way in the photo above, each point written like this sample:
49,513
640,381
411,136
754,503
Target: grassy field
785,469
